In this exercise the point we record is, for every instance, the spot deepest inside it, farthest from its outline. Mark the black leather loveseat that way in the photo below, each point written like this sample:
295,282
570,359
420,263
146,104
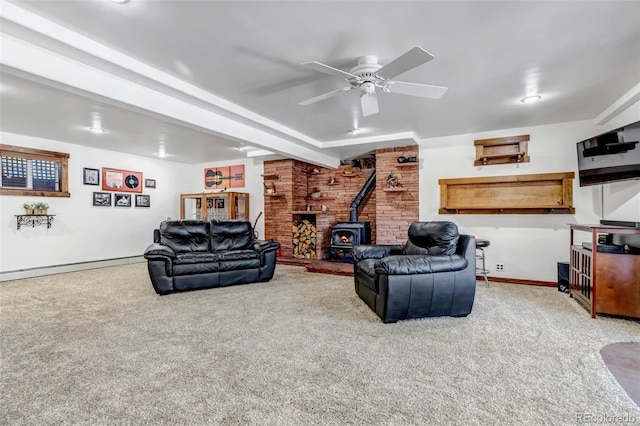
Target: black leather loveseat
195,254
433,274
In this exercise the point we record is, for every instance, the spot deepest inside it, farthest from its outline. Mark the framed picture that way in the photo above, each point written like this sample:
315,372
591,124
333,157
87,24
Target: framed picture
224,177
143,201
121,180
90,176
102,199
123,200
149,183
219,203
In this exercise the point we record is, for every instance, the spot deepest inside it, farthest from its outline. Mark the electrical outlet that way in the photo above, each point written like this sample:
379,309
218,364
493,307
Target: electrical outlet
500,267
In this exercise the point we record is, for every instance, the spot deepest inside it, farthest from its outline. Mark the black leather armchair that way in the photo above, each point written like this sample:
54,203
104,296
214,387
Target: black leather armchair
194,254
433,274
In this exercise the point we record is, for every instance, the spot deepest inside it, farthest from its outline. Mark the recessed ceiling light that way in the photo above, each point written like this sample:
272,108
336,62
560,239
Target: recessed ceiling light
355,131
97,130
530,99
120,1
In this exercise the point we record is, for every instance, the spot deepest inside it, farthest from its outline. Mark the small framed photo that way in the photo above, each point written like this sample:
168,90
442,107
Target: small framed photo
143,201
219,203
102,199
90,176
149,183
123,200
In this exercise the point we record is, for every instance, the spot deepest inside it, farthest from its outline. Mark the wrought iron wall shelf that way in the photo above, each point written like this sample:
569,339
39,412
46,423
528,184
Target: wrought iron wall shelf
34,220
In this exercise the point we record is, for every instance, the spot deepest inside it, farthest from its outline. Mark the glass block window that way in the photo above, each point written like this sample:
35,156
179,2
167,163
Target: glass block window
14,172
27,171
46,175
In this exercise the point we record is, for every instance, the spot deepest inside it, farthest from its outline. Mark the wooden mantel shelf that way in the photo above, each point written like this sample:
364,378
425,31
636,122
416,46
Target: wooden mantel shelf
543,193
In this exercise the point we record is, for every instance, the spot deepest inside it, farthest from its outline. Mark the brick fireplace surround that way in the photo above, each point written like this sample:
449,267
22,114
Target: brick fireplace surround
389,212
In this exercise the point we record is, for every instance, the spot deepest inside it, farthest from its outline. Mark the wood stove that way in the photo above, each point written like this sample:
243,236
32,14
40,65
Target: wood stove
347,234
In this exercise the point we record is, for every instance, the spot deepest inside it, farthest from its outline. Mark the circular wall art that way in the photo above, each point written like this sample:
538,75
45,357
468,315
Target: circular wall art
131,181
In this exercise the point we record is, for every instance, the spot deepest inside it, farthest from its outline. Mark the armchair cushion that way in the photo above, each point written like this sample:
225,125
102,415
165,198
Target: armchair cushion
373,251
432,238
411,265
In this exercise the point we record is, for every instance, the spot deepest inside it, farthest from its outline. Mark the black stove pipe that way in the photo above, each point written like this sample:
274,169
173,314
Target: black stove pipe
368,186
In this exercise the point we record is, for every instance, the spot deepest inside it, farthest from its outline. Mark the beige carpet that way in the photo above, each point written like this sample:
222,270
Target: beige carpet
100,347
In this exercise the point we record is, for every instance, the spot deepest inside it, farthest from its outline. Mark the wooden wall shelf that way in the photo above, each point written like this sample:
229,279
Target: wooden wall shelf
395,189
543,193
270,177
408,164
512,149
276,195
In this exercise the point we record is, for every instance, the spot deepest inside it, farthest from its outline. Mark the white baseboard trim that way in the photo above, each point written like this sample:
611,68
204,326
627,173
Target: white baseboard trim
69,267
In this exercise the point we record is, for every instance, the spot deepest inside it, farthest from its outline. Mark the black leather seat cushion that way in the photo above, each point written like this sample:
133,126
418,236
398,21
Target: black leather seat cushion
432,238
231,235
195,268
237,255
234,265
184,236
195,257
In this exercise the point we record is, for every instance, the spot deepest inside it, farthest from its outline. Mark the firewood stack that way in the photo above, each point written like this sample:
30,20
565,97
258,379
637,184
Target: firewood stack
304,240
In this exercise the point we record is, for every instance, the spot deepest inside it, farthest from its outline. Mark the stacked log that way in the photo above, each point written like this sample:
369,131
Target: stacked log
304,240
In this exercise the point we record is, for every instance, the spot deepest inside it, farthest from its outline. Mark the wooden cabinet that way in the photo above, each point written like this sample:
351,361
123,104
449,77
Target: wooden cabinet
605,283
218,205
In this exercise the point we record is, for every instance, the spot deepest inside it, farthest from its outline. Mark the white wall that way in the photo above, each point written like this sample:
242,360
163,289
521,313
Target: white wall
529,246
253,168
81,232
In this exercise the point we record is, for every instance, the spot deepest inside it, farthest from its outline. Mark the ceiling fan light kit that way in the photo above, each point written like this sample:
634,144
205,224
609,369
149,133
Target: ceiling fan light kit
369,74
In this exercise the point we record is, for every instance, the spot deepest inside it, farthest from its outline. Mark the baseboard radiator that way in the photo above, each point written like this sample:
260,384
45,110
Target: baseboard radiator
69,267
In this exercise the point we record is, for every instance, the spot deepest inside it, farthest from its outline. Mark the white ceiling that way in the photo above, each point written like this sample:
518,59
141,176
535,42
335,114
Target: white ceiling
240,61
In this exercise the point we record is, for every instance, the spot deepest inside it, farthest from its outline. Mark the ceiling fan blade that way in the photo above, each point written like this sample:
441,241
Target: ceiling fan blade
330,70
325,96
413,58
414,89
369,103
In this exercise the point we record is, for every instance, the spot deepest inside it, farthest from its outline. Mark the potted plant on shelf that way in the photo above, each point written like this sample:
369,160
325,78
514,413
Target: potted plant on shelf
41,207
28,208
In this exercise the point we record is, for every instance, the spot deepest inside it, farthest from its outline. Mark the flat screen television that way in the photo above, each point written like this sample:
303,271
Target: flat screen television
611,157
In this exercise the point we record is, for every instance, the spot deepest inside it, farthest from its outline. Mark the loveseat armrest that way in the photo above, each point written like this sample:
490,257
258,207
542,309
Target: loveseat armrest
375,251
420,264
262,246
159,251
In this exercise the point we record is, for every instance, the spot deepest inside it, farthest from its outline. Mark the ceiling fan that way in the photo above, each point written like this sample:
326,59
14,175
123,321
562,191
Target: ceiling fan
369,74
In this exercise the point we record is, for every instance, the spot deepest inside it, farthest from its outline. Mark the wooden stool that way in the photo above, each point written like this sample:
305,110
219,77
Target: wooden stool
480,245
